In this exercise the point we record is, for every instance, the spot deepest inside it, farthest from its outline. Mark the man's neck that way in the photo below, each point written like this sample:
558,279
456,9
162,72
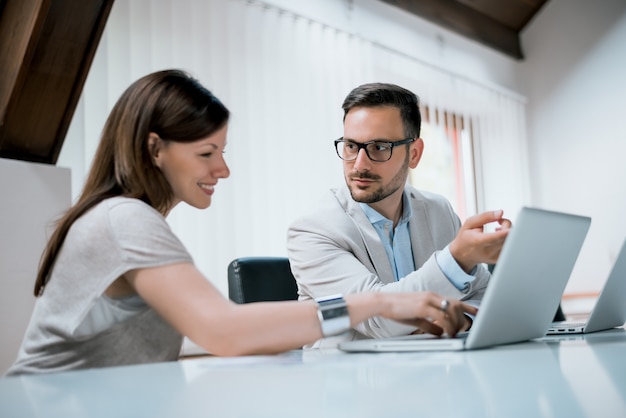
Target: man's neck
390,207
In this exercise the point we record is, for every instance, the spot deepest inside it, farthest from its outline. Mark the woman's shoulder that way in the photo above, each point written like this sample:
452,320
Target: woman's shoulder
121,207
134,224
127,204
124,213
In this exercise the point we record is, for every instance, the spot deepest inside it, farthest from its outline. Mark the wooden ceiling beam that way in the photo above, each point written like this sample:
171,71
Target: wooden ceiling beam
465,21
46,50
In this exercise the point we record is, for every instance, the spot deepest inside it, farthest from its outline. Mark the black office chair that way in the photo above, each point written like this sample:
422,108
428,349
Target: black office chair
558,316
258,279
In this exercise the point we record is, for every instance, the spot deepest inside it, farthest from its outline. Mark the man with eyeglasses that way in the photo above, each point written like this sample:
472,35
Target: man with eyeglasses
378,233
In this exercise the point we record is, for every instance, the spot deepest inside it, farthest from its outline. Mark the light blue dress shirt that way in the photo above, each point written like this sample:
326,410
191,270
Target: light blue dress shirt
397,244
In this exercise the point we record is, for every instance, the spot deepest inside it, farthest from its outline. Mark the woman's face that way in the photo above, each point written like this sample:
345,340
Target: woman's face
192,169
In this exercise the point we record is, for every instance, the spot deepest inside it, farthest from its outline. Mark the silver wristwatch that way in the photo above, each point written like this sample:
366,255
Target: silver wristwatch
333,314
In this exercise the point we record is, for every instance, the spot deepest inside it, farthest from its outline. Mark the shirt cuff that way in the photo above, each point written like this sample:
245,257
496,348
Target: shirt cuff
451,269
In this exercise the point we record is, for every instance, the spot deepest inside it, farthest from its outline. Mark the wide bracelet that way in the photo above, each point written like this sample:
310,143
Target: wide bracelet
333,314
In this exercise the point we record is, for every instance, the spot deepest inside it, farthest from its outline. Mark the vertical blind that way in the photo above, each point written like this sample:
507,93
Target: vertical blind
284,77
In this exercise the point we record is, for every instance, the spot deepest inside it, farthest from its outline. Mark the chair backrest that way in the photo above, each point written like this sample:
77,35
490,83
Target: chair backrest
259,279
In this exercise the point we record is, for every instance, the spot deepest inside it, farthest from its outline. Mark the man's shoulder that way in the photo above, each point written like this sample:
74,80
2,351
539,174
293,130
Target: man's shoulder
425,197
331,200
330,208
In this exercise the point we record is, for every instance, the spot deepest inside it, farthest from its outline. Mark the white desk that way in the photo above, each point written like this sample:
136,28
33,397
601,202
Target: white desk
583,377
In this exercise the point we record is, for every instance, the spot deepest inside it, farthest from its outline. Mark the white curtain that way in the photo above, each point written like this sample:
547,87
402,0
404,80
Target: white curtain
284,78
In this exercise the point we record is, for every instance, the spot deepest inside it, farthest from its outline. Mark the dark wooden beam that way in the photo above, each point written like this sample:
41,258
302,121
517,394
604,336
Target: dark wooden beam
46,50
465,21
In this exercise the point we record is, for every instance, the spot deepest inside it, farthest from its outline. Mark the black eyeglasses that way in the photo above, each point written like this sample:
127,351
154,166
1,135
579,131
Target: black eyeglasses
377,150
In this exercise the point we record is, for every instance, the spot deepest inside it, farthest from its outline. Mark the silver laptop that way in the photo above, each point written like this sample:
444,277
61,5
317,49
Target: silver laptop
610,309
525,290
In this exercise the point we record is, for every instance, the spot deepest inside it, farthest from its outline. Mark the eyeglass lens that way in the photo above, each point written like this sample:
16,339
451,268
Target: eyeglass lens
376,151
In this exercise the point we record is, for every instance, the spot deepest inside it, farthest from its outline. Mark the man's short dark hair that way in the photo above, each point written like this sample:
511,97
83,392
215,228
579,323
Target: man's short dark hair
384,94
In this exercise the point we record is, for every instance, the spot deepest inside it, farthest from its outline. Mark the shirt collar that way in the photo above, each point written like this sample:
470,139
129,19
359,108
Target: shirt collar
374,217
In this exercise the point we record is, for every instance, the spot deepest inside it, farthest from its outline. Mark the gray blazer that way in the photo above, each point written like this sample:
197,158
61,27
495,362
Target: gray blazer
335,249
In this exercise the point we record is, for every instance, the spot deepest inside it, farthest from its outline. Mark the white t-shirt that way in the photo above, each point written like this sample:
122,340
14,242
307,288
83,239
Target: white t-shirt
117,235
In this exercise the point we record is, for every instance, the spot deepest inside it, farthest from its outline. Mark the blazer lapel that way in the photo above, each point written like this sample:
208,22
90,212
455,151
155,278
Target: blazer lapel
371,240
421,235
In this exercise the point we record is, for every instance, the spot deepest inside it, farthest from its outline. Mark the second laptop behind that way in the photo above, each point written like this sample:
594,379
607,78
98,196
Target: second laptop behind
610,308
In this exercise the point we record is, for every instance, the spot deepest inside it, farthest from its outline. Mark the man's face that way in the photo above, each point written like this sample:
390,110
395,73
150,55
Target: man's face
370,181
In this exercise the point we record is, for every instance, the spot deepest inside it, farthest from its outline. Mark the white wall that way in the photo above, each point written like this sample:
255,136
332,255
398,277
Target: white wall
574,77
33,196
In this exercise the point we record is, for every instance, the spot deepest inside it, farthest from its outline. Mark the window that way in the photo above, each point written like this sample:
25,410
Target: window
447,164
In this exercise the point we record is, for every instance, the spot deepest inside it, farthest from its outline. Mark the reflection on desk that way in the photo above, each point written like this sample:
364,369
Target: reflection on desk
583,376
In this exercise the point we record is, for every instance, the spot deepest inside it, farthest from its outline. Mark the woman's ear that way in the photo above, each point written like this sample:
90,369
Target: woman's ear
154,148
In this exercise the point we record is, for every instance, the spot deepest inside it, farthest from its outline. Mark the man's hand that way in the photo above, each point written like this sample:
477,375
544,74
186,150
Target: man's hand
473,245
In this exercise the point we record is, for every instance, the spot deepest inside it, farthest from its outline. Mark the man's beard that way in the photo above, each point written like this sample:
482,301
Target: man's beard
381,192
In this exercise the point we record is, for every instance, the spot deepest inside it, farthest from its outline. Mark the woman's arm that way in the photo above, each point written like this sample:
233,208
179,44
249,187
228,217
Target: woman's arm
192,305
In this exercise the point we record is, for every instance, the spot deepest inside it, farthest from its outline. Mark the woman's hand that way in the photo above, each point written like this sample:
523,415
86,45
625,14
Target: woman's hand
427,311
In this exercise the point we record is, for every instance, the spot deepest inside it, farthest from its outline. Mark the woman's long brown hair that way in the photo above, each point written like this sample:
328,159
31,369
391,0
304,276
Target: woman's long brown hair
169,103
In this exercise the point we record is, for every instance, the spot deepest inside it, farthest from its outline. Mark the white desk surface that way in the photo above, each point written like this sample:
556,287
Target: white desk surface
582,376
